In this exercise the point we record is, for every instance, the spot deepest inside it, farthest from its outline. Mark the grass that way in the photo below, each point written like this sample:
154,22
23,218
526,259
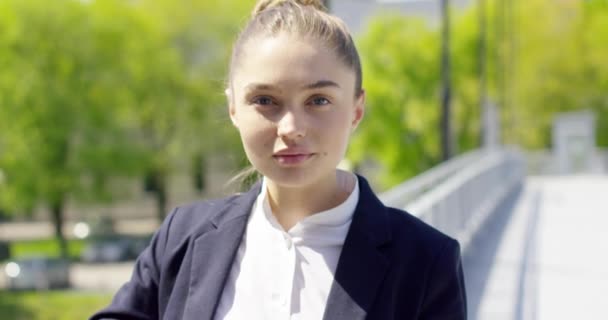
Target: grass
51,305
45,247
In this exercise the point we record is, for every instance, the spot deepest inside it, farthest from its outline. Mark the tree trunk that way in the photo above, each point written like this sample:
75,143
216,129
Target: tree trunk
447,142
482,60
199,170
161,195
57,215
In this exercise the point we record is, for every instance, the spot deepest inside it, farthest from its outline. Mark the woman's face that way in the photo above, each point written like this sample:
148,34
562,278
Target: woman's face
293,102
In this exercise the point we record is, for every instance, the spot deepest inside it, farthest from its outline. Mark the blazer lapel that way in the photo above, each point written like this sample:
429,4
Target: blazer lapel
362,266
213,254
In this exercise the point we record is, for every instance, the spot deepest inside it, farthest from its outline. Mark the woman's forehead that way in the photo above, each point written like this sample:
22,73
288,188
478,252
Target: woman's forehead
286,60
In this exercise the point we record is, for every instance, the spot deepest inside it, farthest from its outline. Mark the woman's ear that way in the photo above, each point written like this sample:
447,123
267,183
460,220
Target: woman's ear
359,111
231,109
232,115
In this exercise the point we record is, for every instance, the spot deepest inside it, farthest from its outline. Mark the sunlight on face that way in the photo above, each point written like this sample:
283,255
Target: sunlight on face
295,107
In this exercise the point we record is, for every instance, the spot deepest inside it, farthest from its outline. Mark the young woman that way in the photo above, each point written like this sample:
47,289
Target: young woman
308,241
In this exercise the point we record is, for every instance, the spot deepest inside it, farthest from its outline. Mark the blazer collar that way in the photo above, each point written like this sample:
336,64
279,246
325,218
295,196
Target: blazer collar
213,252
237,207
359,274
362,265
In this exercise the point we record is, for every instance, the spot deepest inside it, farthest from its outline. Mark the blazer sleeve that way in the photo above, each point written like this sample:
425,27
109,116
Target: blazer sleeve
138,298
445,296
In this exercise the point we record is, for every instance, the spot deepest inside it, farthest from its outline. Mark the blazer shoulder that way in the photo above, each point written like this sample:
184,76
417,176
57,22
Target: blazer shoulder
192,218
409,230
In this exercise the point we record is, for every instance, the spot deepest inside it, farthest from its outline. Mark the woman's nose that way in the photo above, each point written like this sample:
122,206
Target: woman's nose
291,126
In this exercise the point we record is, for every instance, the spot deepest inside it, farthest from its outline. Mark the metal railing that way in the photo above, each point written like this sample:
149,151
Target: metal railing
458,196
406,192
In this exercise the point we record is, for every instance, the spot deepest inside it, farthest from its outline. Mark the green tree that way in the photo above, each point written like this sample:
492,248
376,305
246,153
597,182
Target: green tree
77,79
536,68
560,66
401,77
201,32
95,90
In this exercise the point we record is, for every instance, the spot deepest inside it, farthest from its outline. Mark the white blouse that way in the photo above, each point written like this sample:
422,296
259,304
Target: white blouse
285,275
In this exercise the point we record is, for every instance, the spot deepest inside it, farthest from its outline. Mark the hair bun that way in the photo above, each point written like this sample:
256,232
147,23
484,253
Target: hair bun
263,5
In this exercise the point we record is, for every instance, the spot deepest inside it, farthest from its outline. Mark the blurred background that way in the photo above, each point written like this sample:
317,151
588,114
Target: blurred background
486,118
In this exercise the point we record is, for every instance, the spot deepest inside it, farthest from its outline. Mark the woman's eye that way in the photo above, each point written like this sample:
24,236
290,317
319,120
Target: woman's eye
320,101
263,101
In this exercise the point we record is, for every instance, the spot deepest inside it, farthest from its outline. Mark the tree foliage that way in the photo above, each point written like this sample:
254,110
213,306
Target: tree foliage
560,66
92,90
401,68
536,68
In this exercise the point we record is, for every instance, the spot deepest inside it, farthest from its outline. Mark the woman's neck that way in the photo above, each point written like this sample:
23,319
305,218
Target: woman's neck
290,205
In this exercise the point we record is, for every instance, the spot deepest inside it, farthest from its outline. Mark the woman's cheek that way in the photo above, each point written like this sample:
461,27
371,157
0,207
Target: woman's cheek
258,141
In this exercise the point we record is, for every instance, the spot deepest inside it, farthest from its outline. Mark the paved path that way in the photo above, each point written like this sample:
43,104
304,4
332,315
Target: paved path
20,231
100,277
92,277
550,260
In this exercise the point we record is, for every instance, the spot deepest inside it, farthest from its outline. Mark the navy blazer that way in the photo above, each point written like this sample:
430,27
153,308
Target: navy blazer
392,265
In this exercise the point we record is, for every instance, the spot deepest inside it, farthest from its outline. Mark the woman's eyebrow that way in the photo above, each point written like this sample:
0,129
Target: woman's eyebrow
261,86
268,87
322,84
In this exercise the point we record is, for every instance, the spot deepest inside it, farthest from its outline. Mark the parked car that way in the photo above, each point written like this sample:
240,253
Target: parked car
113,249
39,273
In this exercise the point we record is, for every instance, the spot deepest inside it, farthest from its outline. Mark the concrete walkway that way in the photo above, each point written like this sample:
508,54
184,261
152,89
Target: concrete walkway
23,231
91,277
547,257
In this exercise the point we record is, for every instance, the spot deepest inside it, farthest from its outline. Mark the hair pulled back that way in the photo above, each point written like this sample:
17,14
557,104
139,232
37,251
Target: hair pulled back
265,4
305,18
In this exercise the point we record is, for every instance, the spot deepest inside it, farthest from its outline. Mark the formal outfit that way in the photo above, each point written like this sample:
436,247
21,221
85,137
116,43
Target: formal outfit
285,274
231,259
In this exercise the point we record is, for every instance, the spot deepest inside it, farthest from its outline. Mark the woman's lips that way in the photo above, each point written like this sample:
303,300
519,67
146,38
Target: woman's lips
292,159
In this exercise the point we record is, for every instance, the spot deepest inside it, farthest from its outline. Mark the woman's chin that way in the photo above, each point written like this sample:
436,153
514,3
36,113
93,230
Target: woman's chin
298,177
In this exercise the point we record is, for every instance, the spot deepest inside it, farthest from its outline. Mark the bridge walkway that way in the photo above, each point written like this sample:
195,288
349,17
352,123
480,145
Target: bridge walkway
545,254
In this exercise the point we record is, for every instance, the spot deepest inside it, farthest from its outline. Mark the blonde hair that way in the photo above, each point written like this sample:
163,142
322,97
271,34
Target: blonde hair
306,18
